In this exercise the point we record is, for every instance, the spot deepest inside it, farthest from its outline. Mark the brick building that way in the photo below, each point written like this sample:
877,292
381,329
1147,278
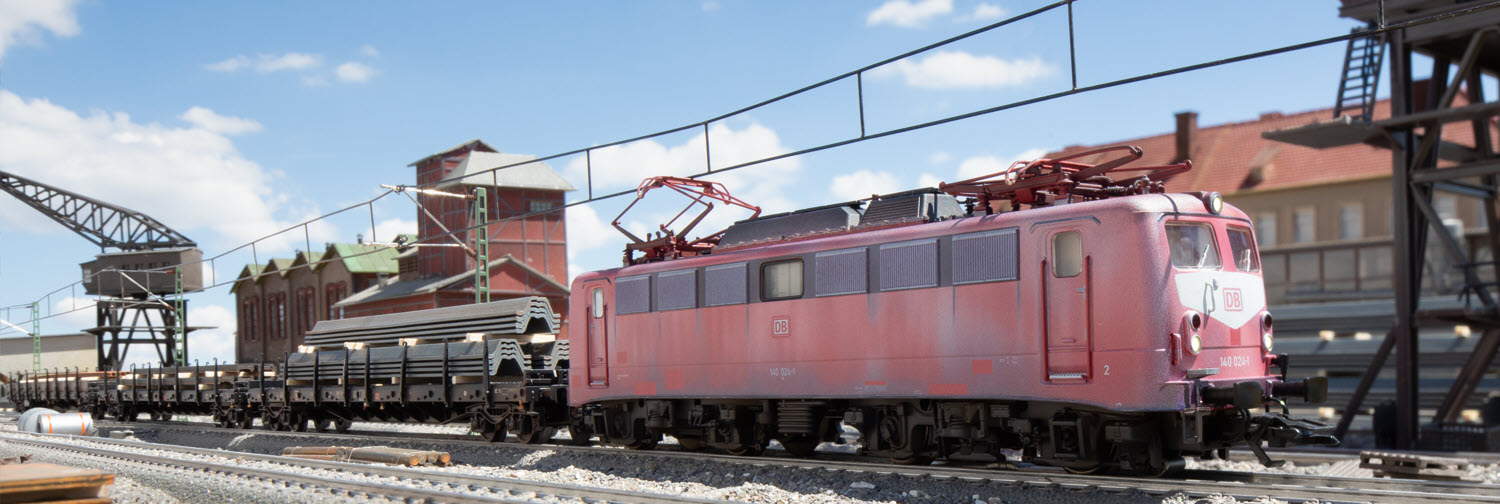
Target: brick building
528,257
278,302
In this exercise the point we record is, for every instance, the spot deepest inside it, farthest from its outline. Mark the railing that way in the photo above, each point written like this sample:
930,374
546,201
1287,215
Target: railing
1359,269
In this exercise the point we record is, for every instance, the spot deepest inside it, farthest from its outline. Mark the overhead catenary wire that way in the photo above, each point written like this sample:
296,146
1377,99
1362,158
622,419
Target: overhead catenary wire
864,136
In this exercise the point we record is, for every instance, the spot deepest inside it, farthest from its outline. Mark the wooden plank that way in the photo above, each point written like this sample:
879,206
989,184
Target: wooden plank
52,482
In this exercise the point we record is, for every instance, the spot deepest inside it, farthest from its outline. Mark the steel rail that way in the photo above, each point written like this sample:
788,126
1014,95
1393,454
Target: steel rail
460,481
1194,483
333,486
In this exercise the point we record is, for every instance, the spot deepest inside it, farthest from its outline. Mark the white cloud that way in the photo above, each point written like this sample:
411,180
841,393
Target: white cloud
354,72
228,65
209,120
108,156
387,230
928,180
985,12
267,63
961,70
316,81
369,50
863,184
908,14
288,61
939,157
984,165
22,21
709,5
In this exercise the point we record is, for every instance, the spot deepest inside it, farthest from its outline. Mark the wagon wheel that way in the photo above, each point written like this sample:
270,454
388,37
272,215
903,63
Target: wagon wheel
268,421
1093,469
536,435
342,426
492,432
800,447
241,419
165,417
298,422
98,413
322,424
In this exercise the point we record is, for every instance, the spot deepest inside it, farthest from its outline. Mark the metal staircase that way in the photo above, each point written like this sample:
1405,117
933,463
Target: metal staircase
1361,77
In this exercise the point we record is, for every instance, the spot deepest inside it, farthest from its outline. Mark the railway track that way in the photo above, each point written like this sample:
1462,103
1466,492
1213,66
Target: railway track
460,488
1193,483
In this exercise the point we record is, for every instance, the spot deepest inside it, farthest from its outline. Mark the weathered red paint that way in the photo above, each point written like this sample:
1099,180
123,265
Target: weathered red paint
1111,325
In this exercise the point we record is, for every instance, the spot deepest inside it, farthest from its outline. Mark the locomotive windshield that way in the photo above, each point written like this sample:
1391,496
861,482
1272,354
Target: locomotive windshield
1242,249
1193,246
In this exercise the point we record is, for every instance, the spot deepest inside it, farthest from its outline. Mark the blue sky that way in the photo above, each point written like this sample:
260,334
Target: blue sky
230,120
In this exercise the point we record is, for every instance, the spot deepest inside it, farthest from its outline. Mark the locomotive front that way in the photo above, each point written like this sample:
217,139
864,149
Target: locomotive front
1221,337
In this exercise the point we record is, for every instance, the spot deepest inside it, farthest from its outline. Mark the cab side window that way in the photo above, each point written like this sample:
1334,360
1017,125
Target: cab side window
598,307
1242,249
1067,254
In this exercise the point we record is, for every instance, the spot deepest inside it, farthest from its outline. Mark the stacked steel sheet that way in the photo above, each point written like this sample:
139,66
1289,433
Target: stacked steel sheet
507,359
512,316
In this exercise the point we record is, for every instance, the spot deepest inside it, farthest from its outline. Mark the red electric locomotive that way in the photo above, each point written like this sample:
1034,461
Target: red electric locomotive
1074,312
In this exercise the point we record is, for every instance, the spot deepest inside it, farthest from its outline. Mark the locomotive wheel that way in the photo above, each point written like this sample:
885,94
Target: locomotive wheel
690,443
1095,469
642,444
800,447
746,451
916,460
579,435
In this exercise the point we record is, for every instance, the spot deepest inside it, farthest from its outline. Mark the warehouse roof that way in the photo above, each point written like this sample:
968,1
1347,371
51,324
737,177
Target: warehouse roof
398,289
474,144
375,259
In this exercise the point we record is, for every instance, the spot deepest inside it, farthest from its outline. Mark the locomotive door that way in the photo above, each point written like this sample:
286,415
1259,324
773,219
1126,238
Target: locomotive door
1068,310
598,331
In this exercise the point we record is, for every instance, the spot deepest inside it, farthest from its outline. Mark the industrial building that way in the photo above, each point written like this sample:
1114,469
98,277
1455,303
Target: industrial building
279,301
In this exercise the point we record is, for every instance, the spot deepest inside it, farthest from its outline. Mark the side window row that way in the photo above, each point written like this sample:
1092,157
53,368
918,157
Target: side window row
989,256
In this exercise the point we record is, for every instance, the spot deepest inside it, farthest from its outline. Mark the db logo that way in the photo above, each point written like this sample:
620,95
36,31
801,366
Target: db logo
781,326
1233,301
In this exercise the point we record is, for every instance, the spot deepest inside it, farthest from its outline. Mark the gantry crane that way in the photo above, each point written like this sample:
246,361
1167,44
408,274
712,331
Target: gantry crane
152,269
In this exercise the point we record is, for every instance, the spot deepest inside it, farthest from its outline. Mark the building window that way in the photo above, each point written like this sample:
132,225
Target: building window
306,310
276,316
332,294
781,280
1304,225
248,319
1446,207
1352,221
1265,228
541,205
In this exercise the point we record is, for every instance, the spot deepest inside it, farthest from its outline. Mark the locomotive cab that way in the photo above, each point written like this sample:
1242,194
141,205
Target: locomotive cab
1222,341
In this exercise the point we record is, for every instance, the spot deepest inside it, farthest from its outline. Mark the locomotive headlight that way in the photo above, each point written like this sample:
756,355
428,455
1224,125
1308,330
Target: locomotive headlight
1267,342
1195,344
1214,201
